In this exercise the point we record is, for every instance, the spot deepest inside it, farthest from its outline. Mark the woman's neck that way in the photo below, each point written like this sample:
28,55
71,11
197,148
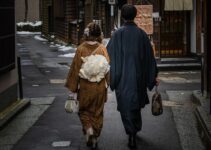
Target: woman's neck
91,42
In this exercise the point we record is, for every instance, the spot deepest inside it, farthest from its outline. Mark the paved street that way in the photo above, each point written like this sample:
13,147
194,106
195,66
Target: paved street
43,78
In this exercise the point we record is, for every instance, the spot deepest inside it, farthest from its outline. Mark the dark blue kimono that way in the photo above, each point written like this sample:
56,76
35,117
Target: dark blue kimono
133,70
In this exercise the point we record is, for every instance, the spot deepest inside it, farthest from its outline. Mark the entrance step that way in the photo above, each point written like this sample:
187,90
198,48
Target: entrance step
179,64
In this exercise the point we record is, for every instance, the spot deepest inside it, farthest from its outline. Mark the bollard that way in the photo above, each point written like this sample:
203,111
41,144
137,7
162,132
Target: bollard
20,79
210,89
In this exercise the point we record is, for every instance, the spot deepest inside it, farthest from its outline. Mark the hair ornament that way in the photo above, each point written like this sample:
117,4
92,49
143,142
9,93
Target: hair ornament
86,32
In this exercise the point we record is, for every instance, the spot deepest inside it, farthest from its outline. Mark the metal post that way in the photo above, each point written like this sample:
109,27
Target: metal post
202,73
77,23
112,18
20,79
210,89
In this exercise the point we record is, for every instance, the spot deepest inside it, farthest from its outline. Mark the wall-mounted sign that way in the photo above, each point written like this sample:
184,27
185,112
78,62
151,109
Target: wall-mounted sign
144,18
112,2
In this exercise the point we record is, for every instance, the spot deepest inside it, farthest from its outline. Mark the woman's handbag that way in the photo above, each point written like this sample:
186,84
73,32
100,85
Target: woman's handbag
157,107
71,105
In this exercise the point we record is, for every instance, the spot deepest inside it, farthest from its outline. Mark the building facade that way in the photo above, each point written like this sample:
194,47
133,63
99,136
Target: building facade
66,19
9,100
31,6
174,21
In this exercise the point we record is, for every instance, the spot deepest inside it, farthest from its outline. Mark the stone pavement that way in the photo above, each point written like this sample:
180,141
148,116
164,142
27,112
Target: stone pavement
43,76
203,116
55,125
16,129
185,120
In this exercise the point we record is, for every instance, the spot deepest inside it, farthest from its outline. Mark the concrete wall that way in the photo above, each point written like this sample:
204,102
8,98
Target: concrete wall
193,28
33,10
9,86
9,80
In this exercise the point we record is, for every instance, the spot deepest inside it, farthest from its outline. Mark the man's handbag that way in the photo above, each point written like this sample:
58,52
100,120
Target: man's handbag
157,107
71,105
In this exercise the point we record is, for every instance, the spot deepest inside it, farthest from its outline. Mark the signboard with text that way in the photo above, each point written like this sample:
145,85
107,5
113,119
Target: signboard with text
144,18
111,2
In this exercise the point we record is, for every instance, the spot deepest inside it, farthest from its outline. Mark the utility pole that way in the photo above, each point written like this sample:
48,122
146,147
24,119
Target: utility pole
26,10
112,3
78,23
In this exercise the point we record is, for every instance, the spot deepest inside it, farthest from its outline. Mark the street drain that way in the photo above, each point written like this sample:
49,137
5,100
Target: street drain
57,81
171,103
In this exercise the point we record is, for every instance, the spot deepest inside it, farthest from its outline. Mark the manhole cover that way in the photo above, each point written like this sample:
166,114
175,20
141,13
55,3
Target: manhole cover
171,103
61,143
57,81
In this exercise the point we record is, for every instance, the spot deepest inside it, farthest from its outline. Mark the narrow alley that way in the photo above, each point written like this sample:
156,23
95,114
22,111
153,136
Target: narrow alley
43,74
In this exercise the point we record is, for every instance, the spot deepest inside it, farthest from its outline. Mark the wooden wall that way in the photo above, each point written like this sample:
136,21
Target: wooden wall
102,14
45,4
198,25
62,24
65,25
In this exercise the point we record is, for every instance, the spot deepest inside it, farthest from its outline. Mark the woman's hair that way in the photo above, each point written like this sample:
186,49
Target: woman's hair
128,12
92,32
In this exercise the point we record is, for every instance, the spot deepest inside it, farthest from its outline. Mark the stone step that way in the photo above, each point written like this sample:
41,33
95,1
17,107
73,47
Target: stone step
187,63
178,60
179,66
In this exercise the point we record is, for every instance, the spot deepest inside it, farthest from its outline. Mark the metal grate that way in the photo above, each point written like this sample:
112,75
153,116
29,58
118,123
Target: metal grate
173,34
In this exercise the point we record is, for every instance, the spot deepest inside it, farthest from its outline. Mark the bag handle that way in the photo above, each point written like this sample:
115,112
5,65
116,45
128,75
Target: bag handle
156,89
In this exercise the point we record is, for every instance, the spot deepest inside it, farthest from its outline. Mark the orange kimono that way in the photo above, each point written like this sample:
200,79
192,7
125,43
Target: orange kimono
91,95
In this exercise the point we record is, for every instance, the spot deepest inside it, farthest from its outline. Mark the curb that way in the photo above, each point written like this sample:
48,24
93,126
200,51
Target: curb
7,114
203,119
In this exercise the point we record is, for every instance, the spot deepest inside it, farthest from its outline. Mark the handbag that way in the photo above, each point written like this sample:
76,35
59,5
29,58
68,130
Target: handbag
157,106
71,105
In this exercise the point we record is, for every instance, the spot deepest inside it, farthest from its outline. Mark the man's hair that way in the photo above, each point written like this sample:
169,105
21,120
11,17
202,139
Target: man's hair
128,12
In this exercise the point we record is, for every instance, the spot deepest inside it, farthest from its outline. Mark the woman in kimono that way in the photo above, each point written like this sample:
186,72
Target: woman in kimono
133,70
91,95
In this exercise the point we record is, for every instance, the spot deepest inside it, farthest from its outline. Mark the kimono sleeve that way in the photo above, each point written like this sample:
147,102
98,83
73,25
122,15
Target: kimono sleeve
151,65
114,52
72,80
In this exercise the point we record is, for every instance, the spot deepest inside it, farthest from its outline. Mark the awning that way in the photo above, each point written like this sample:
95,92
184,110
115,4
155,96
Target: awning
178,5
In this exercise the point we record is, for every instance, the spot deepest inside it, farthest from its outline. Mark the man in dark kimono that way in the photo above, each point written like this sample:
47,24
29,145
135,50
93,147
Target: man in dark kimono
133,70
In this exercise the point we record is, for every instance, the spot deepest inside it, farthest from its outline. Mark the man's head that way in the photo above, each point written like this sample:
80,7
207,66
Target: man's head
128,12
